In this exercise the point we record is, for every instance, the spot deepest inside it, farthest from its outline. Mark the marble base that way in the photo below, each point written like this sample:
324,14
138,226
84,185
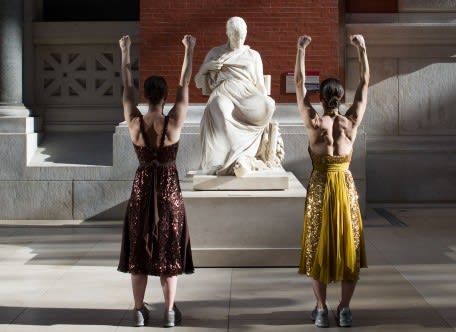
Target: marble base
245,228
261,181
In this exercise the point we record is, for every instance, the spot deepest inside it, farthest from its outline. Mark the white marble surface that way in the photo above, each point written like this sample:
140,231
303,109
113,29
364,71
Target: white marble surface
258,181
28,199
295,189
246,228
100,199
382,113
427,97
13,155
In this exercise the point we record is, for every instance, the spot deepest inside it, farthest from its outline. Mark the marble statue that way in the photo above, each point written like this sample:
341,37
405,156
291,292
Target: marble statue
237,135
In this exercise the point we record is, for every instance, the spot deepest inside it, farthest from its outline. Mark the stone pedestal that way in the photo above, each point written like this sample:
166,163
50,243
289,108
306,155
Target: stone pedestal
261,181
245,228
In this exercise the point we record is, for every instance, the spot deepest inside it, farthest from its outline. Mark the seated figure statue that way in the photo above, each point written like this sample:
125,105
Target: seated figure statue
237,135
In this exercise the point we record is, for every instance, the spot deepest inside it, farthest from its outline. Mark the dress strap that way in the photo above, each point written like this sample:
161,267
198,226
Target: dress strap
143,132
165,129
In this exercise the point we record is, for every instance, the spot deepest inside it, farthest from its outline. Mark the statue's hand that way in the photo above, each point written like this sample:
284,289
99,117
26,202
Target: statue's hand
189,41
213,65
125,43
304,41
358,41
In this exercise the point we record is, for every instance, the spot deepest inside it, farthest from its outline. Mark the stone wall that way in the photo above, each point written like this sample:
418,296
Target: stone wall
73,77
410,120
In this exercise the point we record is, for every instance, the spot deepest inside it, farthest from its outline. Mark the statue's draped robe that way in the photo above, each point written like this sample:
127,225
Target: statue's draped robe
227,133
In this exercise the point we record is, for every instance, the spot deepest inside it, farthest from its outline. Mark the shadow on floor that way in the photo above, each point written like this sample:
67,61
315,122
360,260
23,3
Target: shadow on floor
365,318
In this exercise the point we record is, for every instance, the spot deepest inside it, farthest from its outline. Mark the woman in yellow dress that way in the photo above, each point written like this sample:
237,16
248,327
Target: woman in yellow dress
332,246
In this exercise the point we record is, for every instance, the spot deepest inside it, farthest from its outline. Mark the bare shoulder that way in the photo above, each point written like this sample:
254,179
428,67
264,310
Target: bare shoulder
135,122
352,116
134,128
343,118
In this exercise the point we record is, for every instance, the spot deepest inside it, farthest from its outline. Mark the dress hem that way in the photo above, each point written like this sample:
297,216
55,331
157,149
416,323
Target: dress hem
155,274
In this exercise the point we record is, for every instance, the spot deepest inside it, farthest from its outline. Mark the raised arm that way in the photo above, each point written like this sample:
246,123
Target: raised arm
356,112
308,113
179,111
128,98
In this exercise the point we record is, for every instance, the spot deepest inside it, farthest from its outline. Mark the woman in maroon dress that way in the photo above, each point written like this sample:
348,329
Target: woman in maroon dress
155,238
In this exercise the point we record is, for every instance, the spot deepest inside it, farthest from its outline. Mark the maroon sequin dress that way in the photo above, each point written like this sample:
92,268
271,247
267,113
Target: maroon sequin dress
155,239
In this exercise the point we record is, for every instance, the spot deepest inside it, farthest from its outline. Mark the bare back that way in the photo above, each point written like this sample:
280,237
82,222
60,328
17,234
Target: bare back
332,136
152,128
149,128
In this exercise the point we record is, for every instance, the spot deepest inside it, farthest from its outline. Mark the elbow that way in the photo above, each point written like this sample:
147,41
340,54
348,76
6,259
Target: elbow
186,81
366,75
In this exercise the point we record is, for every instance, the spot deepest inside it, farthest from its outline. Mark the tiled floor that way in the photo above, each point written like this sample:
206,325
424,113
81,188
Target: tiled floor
63,278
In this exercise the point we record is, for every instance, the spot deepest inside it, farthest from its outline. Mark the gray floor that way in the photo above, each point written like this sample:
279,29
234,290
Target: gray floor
60,276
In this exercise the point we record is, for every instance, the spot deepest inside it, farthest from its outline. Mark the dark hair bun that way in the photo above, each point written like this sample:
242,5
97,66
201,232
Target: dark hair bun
155,89
331,91
334,102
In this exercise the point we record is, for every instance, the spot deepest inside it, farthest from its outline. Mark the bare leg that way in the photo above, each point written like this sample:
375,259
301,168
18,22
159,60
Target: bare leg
169,287
138,284
348,288
319,289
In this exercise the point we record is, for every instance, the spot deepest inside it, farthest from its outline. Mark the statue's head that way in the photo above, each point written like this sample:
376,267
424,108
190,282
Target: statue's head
155,89
331,92
236,30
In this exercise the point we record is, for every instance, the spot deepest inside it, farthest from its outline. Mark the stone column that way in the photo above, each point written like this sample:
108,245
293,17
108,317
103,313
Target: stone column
11,58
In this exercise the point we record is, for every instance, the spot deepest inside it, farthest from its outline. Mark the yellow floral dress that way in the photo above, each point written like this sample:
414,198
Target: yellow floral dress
332,246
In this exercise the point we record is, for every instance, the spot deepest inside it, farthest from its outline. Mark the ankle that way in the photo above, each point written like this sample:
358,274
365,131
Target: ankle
142,306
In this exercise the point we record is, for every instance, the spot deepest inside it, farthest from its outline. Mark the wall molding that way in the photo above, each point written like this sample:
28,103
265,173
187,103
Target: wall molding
427,5
406,33
55,33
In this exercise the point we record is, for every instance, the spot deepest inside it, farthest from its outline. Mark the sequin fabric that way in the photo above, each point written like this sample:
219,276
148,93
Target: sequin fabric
155,238
314,212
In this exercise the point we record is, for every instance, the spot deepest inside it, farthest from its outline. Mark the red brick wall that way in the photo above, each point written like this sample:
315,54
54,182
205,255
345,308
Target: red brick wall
273,27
